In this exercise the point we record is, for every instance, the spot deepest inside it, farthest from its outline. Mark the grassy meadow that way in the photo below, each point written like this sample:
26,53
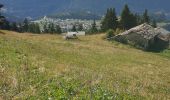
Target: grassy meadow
47,67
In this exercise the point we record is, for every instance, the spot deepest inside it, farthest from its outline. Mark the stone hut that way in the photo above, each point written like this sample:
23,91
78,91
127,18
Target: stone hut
145,37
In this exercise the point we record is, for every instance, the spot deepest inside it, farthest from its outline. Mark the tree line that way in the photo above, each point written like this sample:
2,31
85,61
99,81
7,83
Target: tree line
126,20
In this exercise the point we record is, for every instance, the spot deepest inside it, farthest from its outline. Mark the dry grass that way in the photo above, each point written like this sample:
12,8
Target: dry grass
46,66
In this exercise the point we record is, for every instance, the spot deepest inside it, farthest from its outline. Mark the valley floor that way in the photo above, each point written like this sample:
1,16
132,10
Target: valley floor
47,67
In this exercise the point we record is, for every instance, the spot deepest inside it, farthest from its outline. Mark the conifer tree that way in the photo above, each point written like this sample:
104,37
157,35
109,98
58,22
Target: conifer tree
45,28
58,29
113,19
34,28
74,28
128,20
138,19
2,19
51,28
20,28
30,28
110,20
80,27
146,18
14,26
25,25
94,28
37,28
154,24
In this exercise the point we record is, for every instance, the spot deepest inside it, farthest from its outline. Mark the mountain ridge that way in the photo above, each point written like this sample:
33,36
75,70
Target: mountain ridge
38,8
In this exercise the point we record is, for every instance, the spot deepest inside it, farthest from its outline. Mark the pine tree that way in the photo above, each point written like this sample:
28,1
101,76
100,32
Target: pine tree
138,19
94,28
58,29
154,24
110,20
105,22
128,20
14,26
37,28
74,28
80,27
51,28
26,25
20,27
125,16
6,25
146,18
34,28
30,28
45,28
134,20
113,18
2,18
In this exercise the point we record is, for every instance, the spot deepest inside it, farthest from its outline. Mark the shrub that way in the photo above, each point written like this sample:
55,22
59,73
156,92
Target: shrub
118,31
110,34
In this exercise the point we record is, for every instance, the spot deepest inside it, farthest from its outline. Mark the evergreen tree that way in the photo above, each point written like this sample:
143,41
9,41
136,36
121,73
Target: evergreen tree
154,24
45,28
37,28
74,28
2,18
113,19
58,29
146,18
34,28
138,19
128,20
30,28
6,25
51,28
20,28
94,28
14,26
26,25
134,20
110,20
80,27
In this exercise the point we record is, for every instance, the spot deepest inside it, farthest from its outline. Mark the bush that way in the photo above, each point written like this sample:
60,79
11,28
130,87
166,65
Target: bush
110,34
118,31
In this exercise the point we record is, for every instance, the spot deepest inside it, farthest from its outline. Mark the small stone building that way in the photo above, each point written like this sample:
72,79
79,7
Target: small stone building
145,37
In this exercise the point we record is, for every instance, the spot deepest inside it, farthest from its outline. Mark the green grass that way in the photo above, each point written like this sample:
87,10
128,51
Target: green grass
48,67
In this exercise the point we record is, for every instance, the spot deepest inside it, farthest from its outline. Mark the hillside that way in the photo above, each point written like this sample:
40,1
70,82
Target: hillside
48,67
38,8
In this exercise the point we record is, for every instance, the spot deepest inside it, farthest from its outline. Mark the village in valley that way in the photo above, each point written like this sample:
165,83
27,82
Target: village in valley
67,24
121,53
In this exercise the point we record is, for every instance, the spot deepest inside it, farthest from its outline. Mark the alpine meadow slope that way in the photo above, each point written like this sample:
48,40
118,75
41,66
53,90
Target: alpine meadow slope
45,66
